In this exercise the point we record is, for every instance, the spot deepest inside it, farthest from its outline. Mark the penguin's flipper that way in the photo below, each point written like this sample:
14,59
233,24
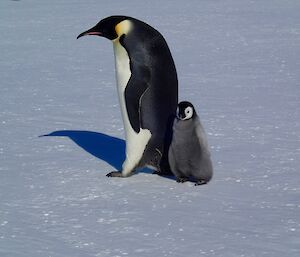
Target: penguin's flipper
134,91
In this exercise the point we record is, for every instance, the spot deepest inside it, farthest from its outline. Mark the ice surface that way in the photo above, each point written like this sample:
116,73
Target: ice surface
237,61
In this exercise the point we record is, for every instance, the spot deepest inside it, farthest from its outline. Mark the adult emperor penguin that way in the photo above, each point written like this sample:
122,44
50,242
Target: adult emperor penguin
148,91
189,153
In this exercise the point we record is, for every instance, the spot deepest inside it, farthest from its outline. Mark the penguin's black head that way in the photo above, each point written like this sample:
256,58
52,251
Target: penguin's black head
111,27
185,111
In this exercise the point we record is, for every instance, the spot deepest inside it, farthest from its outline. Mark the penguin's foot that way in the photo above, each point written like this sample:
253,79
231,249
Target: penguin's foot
181,180
200,182
118,174
115,174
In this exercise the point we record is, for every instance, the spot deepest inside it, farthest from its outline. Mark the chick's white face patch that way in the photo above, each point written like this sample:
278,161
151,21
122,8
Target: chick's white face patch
185,114
188,113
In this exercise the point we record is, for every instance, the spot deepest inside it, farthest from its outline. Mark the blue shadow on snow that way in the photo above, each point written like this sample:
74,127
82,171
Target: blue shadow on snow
107,148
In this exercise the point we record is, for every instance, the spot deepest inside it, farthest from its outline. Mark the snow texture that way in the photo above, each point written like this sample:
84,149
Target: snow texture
238,63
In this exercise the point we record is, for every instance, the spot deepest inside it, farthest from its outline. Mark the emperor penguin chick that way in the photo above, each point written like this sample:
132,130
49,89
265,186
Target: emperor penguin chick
189,154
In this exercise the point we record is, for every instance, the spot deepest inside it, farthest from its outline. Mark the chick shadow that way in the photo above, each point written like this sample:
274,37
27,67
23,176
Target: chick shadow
104,147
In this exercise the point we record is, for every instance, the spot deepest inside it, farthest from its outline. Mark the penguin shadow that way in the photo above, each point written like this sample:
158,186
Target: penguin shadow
104,147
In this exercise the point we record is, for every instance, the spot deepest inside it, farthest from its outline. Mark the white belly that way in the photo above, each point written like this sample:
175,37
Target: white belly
135,142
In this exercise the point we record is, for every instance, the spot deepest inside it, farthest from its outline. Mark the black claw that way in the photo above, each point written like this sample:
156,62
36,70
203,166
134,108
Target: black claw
114,174
200,182
181,180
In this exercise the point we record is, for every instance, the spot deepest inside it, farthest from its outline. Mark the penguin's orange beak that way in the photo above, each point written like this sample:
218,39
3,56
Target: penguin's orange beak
90,32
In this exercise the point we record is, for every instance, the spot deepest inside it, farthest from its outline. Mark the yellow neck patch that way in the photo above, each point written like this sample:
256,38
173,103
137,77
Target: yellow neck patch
123,27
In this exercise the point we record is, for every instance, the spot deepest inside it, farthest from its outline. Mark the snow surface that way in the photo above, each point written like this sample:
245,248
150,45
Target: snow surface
238,62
